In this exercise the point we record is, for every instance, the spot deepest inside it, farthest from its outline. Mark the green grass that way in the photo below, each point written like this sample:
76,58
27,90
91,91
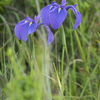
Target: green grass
67,69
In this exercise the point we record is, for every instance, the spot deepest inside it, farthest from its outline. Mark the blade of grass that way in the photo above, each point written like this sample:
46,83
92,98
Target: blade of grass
60,86
89,79
61,30
4,63
7,26
9,32
74,67
45,57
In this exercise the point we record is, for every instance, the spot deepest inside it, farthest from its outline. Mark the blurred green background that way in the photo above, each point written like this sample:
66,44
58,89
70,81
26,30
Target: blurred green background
67,69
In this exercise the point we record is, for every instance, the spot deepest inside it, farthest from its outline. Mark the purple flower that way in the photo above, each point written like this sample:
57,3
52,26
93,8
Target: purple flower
28,26
55,14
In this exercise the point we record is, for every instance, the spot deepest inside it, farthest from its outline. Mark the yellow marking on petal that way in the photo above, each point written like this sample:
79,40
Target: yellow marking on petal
59,9
51,7
30,23
26,21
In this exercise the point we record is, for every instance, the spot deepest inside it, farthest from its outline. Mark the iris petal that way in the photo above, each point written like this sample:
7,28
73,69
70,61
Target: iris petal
50,35
63,2
45,14
50,38
75,5
78,20
20,23
77,14
36,19
27,17
78,17
32,28
53,2
26,27
57,17
21,31
17,28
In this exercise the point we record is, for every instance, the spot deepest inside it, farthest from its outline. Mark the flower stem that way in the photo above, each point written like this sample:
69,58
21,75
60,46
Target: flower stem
62,70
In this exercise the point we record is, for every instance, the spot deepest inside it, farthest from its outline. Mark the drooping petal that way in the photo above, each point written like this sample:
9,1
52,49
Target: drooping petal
32,28
21,31
50,35
57,16
45,14
20,23
78,20
17,28
77,14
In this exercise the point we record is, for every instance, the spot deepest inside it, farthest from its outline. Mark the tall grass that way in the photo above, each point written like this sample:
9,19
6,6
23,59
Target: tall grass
67,69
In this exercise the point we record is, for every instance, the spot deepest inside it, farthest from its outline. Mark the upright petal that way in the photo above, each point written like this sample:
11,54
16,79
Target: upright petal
36,18
28,18
63,2
45,14
77,14
57,16
53,2
75,5
50,36
21,31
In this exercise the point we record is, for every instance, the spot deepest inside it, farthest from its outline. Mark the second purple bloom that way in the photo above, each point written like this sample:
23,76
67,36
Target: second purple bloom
55,14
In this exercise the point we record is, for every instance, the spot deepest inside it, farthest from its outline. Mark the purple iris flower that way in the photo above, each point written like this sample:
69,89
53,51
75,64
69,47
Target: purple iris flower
28,26
55,14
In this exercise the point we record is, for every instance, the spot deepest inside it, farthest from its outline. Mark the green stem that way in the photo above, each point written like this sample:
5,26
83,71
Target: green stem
73,71
4,64
62,68
47,73
61,30
32,58
89,79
